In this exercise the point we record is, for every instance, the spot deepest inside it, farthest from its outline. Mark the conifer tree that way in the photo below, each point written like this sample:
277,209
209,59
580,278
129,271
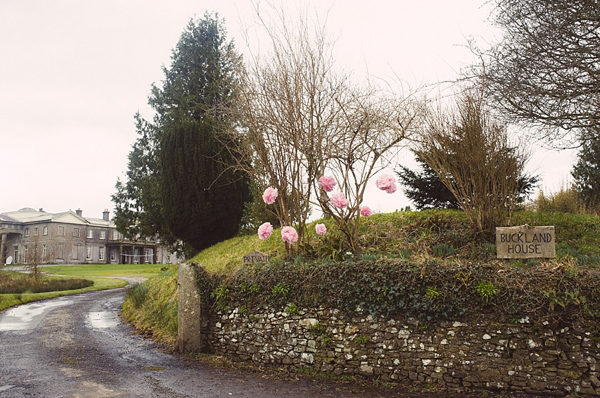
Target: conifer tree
586,173
180,182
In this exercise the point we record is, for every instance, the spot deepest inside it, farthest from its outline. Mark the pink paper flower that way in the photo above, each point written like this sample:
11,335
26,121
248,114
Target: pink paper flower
321,229
327,183
265,230
365,211
339,200
386,182
391,188
270,195
289,234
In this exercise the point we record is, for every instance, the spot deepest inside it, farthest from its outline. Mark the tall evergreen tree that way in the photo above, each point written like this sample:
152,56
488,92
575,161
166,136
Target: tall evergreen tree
203,198
180,181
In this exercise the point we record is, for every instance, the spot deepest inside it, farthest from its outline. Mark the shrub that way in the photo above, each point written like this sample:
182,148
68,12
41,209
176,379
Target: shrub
566,200
471,154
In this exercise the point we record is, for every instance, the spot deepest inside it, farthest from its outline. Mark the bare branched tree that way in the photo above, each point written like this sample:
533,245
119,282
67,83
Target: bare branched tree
472,156
545,72
303,119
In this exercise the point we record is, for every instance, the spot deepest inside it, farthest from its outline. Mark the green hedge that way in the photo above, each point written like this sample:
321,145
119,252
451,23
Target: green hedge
430,292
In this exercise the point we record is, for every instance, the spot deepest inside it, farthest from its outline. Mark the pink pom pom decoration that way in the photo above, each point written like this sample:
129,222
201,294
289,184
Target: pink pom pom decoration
289,234
265,230
365,211
391,188
386,182
327,183
321,229
339,200
270,195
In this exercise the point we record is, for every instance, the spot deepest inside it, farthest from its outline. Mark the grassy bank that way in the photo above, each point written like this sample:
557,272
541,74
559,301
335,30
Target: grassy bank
435,254
415,236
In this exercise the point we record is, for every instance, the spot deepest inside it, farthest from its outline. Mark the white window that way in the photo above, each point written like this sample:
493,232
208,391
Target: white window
61,231
115,234
88,252
90,233
26,254
45,231
102,234
35,231
101,253
26,232
76,231
113,255
44,252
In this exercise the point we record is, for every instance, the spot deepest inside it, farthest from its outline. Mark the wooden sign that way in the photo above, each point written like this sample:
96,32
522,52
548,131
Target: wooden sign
256,257
525,242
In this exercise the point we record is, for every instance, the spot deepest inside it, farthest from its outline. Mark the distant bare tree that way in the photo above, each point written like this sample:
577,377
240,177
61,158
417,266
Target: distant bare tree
545,72
472,156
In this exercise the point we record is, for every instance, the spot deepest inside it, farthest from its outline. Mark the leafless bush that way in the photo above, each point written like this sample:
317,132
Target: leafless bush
472,155
302,119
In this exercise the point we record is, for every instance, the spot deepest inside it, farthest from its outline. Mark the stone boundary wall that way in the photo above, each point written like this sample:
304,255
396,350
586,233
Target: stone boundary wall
478,354
475,353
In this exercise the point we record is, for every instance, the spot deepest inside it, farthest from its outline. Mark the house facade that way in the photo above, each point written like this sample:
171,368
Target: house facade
29,235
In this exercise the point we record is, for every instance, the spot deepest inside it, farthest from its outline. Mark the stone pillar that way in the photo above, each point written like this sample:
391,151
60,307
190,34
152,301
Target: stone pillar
2,243
189,328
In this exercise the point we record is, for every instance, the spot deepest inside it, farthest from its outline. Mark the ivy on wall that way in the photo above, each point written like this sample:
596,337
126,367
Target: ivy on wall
430,292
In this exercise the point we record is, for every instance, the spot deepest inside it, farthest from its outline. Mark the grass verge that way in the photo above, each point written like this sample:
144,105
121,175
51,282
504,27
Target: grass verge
152,307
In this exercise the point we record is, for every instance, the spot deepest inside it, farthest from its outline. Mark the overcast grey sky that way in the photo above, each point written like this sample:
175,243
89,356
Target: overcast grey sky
74,72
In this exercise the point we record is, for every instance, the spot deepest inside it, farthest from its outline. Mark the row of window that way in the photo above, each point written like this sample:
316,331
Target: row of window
61,232
147,257
60,253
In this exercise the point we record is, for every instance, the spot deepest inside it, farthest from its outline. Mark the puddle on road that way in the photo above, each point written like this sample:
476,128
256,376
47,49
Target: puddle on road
28,316
102,320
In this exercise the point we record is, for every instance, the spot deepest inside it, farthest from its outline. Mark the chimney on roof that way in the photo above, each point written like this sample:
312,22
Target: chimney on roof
41,209
79,212
105,214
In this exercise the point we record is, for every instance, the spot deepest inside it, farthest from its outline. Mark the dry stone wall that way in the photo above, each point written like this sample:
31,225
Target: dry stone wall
478,354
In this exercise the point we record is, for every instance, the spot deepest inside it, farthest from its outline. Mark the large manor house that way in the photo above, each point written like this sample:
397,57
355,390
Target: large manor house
30,235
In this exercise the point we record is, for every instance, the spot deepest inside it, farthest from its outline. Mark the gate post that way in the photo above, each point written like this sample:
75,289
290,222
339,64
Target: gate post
189,314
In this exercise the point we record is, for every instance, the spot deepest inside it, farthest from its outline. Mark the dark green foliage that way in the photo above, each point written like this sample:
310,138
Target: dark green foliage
203,199
425,189
586,173
138,202
179,184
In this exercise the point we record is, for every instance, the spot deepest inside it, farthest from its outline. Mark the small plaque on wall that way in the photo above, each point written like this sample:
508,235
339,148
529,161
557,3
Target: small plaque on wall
256,257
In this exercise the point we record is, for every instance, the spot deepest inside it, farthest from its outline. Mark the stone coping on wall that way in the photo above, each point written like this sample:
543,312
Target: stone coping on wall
477,354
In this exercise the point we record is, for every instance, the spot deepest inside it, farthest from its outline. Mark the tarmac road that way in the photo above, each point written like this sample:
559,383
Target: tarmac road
78,346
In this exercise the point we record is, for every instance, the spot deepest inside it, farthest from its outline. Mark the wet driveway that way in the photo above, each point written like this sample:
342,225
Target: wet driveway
78,346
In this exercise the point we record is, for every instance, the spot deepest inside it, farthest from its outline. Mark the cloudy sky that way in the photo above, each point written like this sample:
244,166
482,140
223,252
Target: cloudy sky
73,73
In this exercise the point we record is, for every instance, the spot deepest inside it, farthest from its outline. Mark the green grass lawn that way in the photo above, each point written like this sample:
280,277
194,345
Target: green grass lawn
99,274
105,270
